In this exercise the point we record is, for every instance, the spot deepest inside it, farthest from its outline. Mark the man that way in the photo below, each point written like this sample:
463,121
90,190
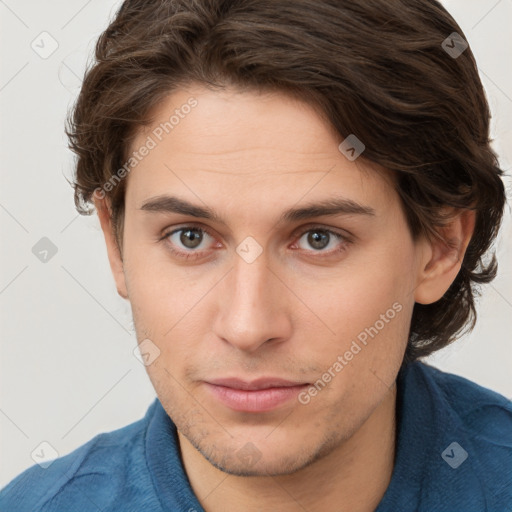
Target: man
297,198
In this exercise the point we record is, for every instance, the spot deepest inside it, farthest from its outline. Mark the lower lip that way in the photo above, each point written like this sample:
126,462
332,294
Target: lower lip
258,400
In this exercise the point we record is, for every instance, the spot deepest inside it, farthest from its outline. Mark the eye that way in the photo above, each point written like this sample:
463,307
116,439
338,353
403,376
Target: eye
321,239
188,242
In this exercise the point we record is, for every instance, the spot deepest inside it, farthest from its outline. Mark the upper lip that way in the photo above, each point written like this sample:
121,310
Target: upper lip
262,383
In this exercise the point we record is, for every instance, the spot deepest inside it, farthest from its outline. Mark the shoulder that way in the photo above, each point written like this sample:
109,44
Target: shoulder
476,421
480,409
96,471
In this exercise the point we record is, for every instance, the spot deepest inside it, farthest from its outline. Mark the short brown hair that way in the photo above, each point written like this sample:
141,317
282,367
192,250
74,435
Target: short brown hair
375,68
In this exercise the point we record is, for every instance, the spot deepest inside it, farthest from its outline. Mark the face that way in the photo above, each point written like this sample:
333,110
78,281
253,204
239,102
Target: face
275,329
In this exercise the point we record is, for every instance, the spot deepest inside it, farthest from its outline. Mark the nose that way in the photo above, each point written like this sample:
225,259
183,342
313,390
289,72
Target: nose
253,306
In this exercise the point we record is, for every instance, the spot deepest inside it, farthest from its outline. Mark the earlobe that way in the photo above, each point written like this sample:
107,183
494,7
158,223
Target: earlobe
442,259
104,211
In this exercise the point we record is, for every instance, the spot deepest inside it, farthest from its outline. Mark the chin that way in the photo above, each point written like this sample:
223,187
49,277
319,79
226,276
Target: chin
245,459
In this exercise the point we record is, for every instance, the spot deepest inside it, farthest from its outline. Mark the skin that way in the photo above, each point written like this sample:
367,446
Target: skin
290,313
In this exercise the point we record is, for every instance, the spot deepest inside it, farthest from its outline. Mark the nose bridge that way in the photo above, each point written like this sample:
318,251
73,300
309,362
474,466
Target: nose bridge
249,312
251,282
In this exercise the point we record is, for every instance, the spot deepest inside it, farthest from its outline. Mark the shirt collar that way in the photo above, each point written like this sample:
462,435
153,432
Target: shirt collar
165,465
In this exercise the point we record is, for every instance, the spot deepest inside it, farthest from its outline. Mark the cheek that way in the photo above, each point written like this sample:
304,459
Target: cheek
367,309
368,290
168,308
161,295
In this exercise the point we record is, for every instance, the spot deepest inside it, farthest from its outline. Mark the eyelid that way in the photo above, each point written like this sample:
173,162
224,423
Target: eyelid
190,225
321,227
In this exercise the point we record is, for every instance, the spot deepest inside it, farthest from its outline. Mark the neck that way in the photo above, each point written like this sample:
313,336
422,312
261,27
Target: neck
352,477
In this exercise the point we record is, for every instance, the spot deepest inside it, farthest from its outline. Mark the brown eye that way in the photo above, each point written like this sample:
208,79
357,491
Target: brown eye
187,242
319,239
191,238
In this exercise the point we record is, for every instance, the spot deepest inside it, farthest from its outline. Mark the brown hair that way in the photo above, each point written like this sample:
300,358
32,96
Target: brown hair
374,68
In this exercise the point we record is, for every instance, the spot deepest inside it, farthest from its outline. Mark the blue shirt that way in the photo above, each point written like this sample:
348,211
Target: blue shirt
453,454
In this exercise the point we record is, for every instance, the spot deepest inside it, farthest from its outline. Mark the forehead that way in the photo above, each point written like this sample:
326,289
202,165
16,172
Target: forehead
246,145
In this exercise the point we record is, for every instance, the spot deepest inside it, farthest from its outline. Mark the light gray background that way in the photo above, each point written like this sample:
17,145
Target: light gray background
67,366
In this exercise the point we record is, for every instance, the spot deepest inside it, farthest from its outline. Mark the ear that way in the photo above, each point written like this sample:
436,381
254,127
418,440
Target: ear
442,257
103,207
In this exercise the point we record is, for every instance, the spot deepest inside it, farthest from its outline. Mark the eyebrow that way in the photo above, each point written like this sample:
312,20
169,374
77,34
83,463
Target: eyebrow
327,207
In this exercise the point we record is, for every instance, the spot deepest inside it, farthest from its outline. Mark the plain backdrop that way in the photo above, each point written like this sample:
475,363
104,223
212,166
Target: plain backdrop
68,371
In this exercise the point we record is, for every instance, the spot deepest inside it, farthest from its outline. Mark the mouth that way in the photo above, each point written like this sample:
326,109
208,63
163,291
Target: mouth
259,395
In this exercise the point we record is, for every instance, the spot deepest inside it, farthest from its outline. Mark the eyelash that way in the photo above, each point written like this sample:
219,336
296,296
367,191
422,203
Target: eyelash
193,255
